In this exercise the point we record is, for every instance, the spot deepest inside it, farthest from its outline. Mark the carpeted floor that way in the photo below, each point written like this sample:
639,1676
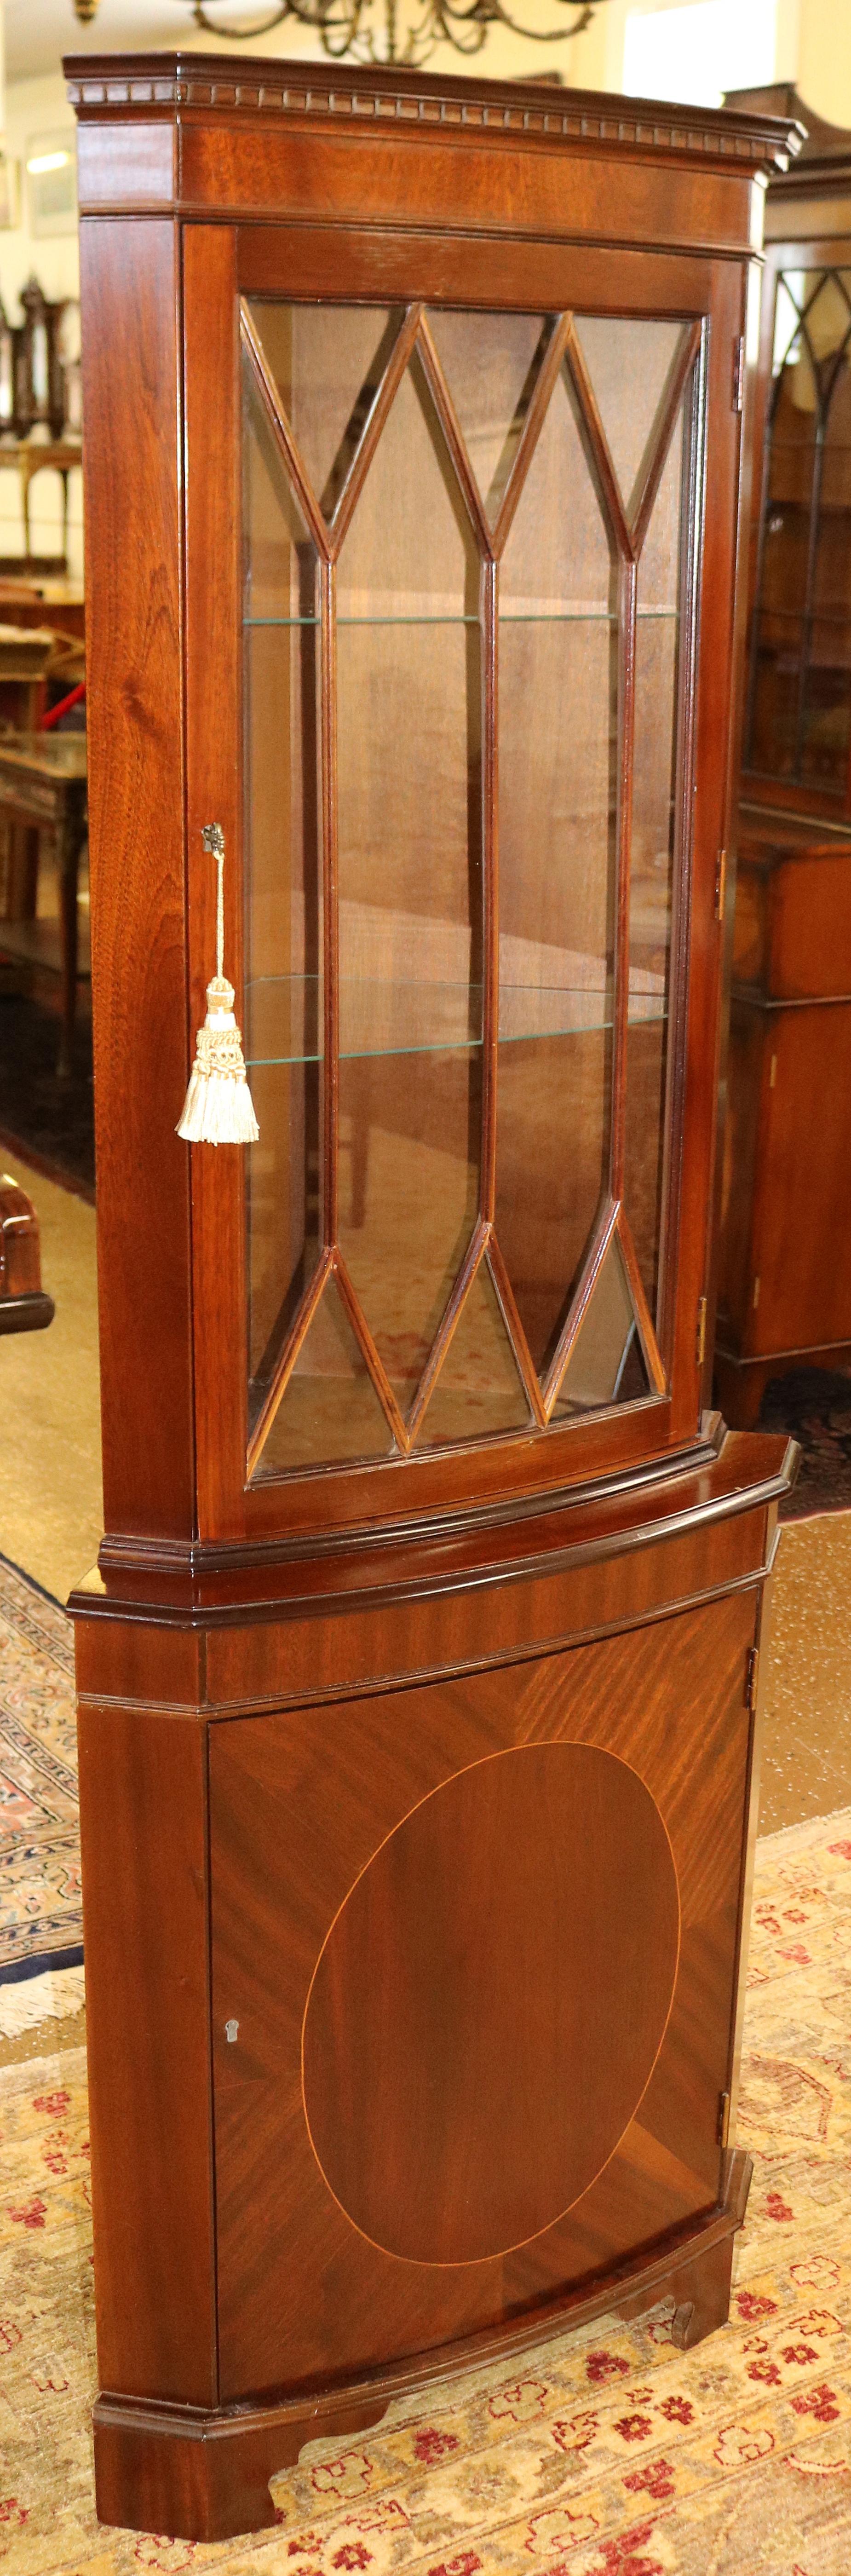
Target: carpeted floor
813,1405
610,2454
51,1501
40,1905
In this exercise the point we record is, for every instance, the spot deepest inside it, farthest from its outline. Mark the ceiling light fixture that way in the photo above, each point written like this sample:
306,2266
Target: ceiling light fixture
369,31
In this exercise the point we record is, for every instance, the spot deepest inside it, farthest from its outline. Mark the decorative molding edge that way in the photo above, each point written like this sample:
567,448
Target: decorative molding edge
204,2474
210,83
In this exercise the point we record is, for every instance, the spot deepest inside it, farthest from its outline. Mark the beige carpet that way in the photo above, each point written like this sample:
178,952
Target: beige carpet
608,2454
51,1511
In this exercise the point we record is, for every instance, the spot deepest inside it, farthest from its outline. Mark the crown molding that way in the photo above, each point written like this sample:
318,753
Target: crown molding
219,84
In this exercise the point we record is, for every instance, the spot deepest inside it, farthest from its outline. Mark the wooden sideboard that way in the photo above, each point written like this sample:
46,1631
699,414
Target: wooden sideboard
784,1287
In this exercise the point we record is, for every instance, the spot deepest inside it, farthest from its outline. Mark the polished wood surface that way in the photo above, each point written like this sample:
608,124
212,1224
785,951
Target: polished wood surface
211,2472
375,1759
143,1802
268,1939
439,2056
136,861
784,1299
24,1304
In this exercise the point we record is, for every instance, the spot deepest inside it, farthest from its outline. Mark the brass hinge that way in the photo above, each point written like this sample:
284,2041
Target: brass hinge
720,884
700,1339
751,1677
723,2129
738,374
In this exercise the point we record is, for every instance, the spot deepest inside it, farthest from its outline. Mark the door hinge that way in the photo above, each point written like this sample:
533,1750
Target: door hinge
738,373
751,1678
723,2129
720,884
700,1338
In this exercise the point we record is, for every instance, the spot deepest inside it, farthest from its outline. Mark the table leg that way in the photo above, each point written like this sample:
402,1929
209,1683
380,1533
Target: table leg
25,503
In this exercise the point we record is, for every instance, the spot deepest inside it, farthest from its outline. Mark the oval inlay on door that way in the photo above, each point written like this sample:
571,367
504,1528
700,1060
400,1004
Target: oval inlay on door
489,2003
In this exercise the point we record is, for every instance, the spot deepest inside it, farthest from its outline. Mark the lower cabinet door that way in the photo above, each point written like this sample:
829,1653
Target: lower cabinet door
474,1961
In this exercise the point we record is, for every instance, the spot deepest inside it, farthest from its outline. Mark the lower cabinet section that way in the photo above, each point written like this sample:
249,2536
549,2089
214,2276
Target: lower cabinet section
474,1966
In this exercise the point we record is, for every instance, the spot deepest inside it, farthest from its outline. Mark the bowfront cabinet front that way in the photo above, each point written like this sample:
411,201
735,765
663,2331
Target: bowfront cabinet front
417,1678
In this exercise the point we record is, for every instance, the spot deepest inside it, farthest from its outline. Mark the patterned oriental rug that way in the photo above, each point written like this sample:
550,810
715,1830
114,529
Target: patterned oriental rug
612,2454
40,1908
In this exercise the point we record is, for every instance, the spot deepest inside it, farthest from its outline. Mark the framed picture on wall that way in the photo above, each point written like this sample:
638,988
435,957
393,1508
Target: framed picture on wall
10,192
52,183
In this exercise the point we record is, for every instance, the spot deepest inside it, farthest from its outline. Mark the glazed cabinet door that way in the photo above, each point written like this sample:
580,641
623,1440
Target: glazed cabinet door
446,713
474,1967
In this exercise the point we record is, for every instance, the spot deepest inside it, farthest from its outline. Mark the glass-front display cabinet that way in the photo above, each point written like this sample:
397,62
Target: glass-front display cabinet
784,1299
417,1677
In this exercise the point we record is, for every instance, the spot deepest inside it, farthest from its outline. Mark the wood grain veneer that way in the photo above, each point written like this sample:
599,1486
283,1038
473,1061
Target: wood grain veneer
418,1798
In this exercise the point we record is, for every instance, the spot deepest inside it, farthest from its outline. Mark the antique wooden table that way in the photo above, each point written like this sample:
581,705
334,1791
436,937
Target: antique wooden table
43,785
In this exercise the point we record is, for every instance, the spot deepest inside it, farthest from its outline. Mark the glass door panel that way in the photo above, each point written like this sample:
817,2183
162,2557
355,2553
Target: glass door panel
606,1364
654,814
455,604
799,711
492,362
409,752
479,1388
629,363
327,362
558,662
283,1010
330,1411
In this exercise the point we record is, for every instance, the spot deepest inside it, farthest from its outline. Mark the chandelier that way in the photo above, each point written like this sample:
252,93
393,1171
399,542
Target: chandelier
369,31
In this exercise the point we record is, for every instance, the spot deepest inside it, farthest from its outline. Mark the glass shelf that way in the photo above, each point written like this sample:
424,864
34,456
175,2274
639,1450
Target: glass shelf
380,1018
507,617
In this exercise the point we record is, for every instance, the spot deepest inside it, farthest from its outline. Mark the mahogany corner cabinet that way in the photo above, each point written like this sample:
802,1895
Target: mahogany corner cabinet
417,1675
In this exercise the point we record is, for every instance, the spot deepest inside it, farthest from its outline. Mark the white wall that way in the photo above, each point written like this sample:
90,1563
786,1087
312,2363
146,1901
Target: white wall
707,46
806,41
38,107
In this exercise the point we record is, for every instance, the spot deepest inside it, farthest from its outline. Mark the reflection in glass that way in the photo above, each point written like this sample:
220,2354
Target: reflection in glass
491,362
799,712
478,1390
652,865
409,770
329,1411
405,775
629,363
558,691
327,361
282,881
606,1364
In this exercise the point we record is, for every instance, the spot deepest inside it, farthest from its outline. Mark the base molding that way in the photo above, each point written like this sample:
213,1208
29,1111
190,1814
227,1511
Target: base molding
199,2474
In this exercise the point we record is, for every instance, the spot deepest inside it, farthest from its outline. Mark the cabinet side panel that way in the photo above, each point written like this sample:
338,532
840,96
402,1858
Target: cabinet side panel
143,1813
132,454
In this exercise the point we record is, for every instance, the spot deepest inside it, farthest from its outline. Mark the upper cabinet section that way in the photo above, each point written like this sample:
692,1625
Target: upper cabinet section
434,383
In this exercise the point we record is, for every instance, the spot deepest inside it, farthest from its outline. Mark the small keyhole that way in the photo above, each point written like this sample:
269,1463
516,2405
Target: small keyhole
231,2030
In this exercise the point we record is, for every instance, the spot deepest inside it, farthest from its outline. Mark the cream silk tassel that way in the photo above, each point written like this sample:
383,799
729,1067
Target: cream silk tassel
218,1108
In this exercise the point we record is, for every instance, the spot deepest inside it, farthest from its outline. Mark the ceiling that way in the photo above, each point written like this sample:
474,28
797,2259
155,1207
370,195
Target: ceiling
39,32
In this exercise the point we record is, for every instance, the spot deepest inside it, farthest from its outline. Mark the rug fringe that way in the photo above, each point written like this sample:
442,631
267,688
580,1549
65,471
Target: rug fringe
51,1997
